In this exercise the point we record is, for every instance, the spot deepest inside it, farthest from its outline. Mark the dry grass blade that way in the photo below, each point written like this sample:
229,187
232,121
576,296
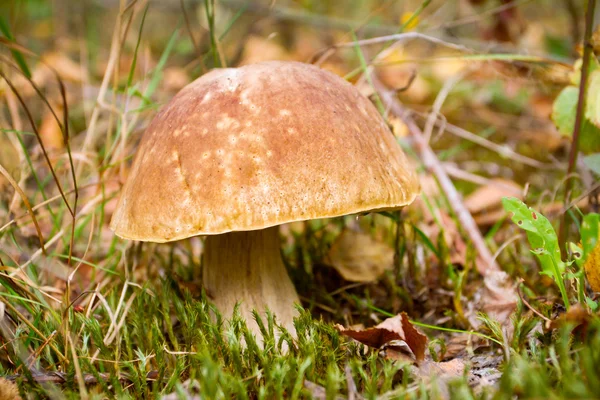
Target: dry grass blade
15,185
431,162
26,321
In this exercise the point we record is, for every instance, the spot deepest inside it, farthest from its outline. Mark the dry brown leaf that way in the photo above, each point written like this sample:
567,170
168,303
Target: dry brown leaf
497,298
490,217
450,67
66,68
259,49
50,132
592,268
546,141
8,390
489,197
576,317
360,258
175,78
391,334
454,368
456,245
399,128
9,159
397,74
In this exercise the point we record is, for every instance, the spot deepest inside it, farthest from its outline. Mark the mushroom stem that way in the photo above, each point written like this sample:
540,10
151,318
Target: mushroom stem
246,267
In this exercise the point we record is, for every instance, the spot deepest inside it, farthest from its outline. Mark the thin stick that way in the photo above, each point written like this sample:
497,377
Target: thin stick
432,163
90,379
502,150
587,52
26,321
18,189
536,312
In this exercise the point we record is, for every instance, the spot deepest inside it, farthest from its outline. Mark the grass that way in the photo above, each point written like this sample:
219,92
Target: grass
168,343
94,316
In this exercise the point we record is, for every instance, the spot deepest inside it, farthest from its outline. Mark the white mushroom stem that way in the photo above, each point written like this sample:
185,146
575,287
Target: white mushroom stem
246,267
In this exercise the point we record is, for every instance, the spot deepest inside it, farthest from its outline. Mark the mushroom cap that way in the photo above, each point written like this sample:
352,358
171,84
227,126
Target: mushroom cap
247,148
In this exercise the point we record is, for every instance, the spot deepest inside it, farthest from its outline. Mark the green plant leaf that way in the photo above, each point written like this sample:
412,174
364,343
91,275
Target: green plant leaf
565,109
590,231
540,233
20,60
593,162
592,104
577,254
542,239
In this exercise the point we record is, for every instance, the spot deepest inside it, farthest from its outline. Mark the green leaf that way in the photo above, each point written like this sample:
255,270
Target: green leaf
592,103
577,254
563,115
593,162
542,239
590,232
563,110
540,233
20,60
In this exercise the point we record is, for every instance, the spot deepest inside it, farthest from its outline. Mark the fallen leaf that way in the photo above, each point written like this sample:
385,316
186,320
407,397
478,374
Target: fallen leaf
451,67
175,78
50,132
592,268
398,74
442,373
445,225
66,68
595,40
409,21
8,390
399,128
577,317
446,369
259,49
497,298
592,105
358,257
9,159
394,333
489,197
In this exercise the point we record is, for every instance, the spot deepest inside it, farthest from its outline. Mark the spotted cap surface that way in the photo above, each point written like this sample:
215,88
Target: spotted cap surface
257,146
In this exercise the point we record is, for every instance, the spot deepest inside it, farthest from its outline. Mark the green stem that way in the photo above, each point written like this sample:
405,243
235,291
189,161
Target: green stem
585,69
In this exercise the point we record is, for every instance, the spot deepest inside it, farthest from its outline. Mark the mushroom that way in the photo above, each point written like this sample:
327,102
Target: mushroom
240,151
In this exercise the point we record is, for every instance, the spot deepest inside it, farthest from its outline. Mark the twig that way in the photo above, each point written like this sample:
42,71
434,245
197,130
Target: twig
282,13
587,52
353,393
502,150
18,189
587,193
115,49
536,312
438,103
574,16
23,319
190,32
432,163
317,391
398,38
458,173
89,379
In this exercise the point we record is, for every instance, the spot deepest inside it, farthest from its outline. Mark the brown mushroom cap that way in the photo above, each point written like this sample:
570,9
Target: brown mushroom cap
257,146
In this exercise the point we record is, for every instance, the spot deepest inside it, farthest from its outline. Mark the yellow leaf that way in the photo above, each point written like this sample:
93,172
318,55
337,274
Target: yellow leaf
592,268
406,17
360,258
